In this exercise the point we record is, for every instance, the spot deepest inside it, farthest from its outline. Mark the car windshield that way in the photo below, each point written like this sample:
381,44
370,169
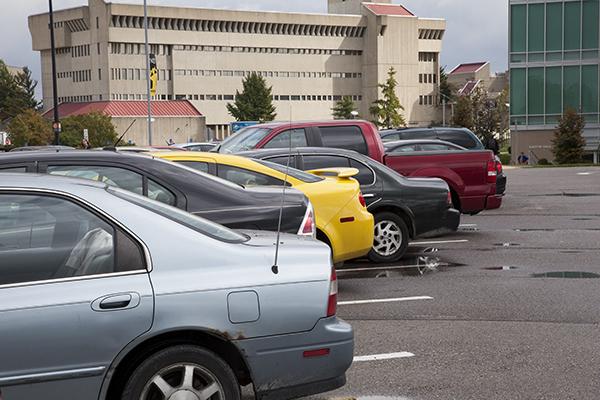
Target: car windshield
293,172
191,221
245,139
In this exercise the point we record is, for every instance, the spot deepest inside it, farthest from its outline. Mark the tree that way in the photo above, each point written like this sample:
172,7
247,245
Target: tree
30,129
255,103
463,114
568,143
486,120
101,131
11,97
27,85
387,110
446,89
343,108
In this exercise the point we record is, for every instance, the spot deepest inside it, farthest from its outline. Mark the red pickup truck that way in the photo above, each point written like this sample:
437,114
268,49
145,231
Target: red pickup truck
471,175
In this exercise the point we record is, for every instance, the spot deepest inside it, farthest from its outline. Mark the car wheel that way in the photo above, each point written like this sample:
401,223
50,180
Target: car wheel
390,239
182,373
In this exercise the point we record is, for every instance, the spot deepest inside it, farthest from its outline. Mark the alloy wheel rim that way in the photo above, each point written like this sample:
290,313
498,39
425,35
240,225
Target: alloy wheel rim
387,238
183,381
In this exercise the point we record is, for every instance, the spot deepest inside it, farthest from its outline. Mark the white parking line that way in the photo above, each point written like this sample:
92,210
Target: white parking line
439,242
399,299
388,356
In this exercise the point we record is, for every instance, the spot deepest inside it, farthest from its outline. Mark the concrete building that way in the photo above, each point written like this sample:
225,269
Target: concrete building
176,120
467,77
310,60
554,64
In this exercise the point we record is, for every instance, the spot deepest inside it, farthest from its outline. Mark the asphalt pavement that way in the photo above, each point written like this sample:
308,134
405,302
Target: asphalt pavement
507,308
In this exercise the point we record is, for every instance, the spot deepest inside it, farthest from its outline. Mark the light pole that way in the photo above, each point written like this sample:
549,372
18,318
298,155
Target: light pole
148,83
444,98
354,114
56,123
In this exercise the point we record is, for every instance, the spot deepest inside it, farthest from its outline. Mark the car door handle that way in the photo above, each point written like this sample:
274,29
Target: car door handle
368,195
116,302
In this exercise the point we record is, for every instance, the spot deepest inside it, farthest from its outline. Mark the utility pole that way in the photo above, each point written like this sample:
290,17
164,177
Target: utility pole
147,72
56,124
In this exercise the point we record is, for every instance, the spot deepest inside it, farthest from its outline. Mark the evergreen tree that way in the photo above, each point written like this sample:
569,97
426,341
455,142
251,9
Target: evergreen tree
446,89
387,110
27,85
568,143
343,108
17,93
255,103
463,113
101,131
30,129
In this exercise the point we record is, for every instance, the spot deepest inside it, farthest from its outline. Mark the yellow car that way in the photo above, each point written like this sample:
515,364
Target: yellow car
341,217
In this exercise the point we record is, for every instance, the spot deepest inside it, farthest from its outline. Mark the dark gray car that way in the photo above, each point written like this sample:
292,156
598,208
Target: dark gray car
404,208
105,294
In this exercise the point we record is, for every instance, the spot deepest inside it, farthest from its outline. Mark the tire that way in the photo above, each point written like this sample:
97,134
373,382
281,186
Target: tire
394,231
171,366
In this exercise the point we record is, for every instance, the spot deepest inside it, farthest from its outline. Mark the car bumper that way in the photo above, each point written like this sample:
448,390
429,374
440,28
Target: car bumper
448,223
500,184
279,369
353,239
493,202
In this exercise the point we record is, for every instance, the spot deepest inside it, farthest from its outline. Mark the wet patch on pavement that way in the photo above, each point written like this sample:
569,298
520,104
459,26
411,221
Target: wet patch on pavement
413,265
506,244
565,195
567,275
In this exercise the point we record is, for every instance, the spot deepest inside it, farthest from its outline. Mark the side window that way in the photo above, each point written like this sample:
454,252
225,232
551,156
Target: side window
282,140
45,237
324,161
435,147
365,174
112,176
457,137
417,134
160,193
391,138
197,165
245,177
344,137
14,169
283,160
409,148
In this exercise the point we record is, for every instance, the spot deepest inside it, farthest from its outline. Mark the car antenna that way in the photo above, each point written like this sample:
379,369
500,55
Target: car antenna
275,267
121,137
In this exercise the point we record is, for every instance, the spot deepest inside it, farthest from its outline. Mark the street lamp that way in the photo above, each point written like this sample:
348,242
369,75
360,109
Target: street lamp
56,123
354,114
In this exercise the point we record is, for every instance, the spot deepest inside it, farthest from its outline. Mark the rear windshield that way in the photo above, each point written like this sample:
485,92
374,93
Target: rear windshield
293,172
245,139
191,221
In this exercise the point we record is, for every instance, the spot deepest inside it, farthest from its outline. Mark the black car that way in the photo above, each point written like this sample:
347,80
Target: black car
459,136
204,195
404,208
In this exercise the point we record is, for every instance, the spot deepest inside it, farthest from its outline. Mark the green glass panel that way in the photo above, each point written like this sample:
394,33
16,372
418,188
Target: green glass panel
572,25
518,26
552,119
535,27
535,91
557,56
517,91
535,121
536,57
571,87
554,90
591,17
572,55
586,55
554,26
589,88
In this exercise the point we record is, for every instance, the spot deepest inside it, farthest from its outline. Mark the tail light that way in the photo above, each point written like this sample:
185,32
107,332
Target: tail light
333,292
307,228
498,167
491,171
361,199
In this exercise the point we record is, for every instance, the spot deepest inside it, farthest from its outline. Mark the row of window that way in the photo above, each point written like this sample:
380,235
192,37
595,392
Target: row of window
77,76
228,97
76,99
140,48
80,51
73,25
431,34
268,28
428,57
554,26
269,50
137,74
428,100
268,74
427,78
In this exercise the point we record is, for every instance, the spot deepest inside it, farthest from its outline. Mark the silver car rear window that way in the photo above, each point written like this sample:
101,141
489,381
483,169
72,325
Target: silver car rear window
191,221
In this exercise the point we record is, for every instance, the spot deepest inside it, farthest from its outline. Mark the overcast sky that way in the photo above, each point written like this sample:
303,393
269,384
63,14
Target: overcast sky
476,31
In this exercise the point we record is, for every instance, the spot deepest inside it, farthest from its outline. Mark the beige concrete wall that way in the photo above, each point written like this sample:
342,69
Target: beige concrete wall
349,6
180,129
535,144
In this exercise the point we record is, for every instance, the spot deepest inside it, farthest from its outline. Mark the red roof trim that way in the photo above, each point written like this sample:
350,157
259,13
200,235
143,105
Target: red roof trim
389,9
169,108
468,67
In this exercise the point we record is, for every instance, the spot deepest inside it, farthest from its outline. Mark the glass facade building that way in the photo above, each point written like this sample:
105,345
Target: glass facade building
554,63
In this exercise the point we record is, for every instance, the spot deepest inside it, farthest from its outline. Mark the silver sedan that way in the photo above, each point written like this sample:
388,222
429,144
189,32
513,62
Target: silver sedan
108,295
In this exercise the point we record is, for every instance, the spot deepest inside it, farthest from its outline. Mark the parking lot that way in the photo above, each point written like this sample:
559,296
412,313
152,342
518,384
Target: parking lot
501,310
